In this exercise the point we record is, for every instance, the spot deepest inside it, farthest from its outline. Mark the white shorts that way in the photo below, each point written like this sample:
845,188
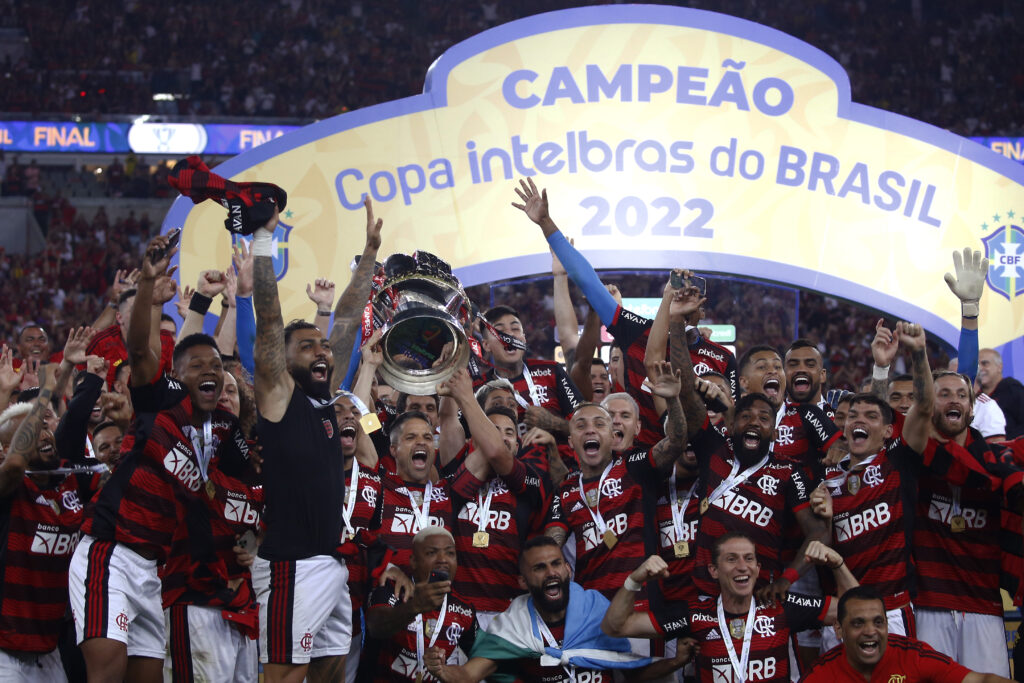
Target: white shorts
32,668
977,641
302,603
203,646
901,622
115,593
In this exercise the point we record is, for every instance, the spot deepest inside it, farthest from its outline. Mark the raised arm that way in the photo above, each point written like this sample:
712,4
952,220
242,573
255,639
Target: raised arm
883,349
917,427
227,335
349,311
321,293
488,446
681,303
565,313
621,620
245,322
25,438
968,284
273,382
820,554
144,358
210,284
579,370
535,206
372,357
665,382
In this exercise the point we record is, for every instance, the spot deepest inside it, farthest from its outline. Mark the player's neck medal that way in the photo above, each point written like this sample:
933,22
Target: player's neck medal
958,524
853,484
681,548
704,505
592,497
736,627
609,538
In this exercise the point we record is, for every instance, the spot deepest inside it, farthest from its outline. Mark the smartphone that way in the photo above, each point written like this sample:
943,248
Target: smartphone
676,279
438,575
173,237
248,542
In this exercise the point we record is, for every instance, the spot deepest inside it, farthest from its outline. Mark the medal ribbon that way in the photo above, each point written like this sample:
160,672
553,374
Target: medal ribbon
679,511
957,510
739,666
418,626
734,479
840,480
483,506
422,516
549,641
598,519
350,500
203,447
531,387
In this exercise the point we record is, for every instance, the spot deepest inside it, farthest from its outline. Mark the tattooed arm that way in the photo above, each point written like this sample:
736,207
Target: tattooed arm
883,349
349,311
23,442
273,382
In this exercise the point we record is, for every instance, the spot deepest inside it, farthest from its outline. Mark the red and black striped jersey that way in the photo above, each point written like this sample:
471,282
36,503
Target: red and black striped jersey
769,641
367,511
39,528
631,332
396,656
109,345
488,574
763,505
873,510
905,659
662,537
202,561
553,389
144,499
617,499
805,433
401,521
957,542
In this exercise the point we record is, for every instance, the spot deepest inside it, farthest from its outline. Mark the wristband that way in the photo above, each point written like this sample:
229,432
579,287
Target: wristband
791,575
224,303
200,303
262,242
631,585
842,561
324,313
880,372
970,308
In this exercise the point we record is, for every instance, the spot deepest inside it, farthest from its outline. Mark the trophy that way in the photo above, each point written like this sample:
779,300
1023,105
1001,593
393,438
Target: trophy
421,309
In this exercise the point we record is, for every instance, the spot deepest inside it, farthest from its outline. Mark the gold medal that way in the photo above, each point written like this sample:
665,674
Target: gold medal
481,539
211,489
56,507
419,677
736,628
681,548
704,504
609,538
853,484
958,524
592,497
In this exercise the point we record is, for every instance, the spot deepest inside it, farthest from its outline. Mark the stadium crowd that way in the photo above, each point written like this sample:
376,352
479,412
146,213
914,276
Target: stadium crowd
310,59
185,506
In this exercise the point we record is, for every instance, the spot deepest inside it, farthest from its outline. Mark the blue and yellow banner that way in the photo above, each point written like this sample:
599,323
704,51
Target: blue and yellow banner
666,137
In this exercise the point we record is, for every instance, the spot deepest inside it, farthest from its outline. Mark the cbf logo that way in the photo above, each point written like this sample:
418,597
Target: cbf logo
280,246
1005,251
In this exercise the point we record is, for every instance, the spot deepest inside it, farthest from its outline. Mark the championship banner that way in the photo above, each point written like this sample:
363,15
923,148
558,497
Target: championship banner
666,137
